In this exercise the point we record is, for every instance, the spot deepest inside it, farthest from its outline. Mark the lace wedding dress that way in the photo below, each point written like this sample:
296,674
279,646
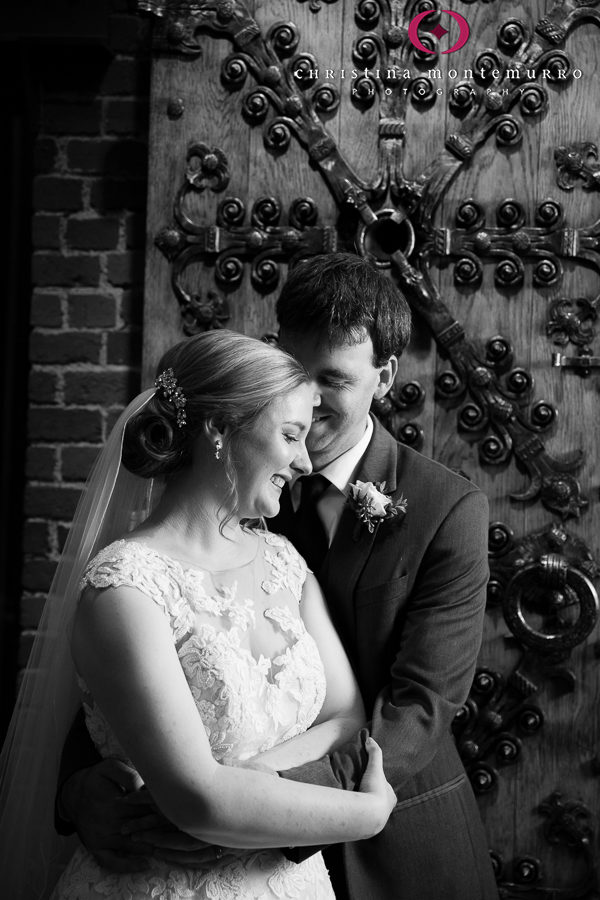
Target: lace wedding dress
247,705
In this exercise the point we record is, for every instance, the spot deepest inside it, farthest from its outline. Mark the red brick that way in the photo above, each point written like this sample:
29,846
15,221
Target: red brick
132,307
69,117
124,348
37,574
51,502
41,463
52,269
65,347
126,117
115,193
31,610
46,311
77,462
42,386
45,152
91,311
65,425
126,76
125,268
129,34
102,388
35,538
57,193
45,232
92,233
110,157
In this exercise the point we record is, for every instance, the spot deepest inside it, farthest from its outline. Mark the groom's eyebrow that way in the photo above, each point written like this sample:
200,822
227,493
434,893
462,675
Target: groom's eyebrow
340,374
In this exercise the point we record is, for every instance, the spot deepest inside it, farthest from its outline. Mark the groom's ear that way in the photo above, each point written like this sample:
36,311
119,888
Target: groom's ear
387,374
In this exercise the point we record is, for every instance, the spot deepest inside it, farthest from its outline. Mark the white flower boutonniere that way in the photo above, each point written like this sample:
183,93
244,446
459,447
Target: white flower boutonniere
372,505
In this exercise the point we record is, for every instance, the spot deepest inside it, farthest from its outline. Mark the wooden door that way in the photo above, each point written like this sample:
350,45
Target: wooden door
471,175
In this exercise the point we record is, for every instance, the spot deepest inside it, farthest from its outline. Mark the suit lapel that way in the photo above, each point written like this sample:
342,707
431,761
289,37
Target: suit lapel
353,542
381,459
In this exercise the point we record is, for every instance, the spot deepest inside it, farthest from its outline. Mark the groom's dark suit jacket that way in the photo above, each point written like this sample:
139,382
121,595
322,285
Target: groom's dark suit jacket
408,602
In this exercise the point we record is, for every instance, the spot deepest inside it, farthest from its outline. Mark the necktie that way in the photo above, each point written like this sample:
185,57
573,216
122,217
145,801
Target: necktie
311,540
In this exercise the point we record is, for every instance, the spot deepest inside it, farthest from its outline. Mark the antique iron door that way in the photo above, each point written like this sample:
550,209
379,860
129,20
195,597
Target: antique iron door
456,145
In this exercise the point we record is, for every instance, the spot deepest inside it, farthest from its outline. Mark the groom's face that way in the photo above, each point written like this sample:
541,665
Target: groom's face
345,381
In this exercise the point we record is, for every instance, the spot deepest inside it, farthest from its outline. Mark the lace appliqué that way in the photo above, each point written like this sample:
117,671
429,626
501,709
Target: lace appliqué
129,564
246,704
263,875
288,569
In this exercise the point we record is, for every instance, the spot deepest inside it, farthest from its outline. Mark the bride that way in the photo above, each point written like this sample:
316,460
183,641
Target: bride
197,642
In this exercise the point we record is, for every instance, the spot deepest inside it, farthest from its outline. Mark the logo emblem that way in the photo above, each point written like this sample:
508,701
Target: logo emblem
439,31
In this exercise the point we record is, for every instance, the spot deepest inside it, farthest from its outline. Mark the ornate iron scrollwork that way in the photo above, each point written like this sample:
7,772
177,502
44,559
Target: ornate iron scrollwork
509,556
501,89
571,163
564,16
572,321
550,587
512,242
406,397
200,314
500,402
230,244
548,575
568,825
492,724
511,35
582,364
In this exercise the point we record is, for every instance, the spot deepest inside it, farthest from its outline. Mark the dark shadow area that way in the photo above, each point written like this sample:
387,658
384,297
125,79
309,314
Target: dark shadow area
17,98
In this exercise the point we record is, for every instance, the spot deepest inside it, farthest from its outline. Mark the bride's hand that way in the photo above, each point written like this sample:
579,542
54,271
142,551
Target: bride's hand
374,781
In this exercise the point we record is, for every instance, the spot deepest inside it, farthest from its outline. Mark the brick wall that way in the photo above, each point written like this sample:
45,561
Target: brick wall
88,232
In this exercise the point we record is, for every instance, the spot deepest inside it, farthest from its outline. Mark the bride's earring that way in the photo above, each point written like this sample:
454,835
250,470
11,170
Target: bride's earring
218,448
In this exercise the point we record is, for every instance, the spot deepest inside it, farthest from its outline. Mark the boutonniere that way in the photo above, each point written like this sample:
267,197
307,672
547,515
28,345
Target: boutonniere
372,505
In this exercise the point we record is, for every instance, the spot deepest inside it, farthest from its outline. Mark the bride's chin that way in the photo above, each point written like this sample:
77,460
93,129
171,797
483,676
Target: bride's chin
265,510
270,509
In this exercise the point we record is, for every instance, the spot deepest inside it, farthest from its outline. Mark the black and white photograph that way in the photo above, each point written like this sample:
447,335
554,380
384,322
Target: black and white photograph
300,503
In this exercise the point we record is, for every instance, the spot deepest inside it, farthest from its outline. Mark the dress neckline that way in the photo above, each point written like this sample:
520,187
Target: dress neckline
186,566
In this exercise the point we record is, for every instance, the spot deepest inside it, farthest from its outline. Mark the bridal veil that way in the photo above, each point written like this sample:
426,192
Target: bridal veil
32,854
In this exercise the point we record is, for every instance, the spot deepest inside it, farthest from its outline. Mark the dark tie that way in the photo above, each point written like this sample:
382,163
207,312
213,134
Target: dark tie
311,540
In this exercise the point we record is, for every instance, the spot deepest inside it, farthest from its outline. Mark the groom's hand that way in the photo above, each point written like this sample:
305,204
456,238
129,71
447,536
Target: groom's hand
168,843
150,828
94,800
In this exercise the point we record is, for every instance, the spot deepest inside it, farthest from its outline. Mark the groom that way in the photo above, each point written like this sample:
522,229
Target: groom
406,593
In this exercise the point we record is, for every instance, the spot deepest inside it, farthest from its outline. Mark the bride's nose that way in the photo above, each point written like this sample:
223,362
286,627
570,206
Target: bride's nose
302,464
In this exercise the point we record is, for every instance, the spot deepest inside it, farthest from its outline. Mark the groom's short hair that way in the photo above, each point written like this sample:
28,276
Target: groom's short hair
340,296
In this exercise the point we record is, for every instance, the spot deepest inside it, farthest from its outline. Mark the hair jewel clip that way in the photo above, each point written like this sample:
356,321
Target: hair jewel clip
167,383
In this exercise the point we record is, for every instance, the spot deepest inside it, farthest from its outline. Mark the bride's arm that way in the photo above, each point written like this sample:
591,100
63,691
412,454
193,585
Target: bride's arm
123,648
342,714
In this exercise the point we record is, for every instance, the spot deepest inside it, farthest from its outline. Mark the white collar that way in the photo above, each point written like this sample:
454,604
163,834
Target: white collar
341,470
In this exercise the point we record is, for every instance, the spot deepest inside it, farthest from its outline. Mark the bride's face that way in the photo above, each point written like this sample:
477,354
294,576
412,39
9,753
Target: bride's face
272,453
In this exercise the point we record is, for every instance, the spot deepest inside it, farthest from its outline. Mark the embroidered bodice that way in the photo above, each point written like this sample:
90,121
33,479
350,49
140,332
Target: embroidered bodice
247,704
249,700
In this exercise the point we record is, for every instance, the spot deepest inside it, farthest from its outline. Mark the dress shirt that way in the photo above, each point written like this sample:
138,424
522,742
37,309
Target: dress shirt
340,472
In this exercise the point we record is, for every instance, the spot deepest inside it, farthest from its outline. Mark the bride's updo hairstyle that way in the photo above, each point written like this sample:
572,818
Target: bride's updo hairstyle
223,376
